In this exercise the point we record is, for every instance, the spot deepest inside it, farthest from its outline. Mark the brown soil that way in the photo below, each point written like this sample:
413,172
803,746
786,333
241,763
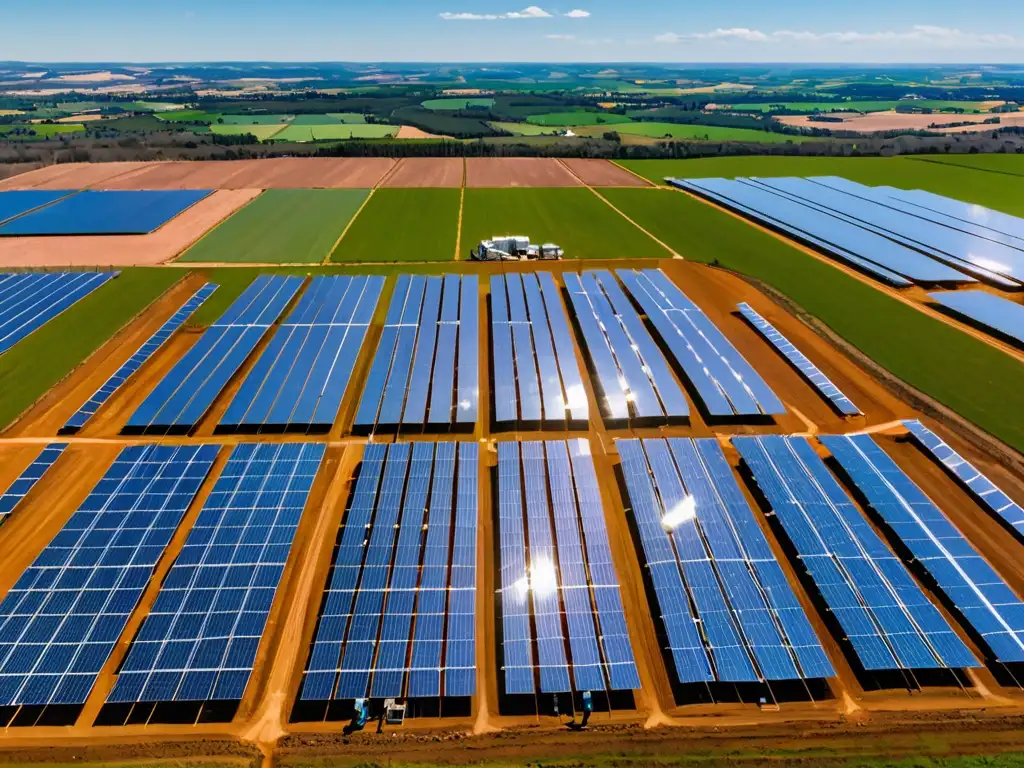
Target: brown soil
273,173
69,175
427,172
895,121
602,173
9,170
158,247
517,172
412,132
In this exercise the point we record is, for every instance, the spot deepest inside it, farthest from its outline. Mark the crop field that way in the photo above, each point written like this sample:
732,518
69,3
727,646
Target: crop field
698,133
256,119
443,105
399,225
526,129
862,106
344,117
40,130
260,131
190,116
335,131
573,119
281,226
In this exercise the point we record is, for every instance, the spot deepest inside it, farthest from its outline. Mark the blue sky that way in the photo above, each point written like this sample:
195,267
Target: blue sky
883,31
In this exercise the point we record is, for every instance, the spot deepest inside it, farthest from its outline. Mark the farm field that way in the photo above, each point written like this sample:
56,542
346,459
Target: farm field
256,119
189,116
280,227
399,225
443,105
575,219
1008,164
696,133
526,129
861,106
335,131
343,117
573,119
263,132
40,130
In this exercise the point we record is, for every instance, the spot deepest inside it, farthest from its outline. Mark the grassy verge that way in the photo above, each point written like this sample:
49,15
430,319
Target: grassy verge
574,218
38,362
976,380
281,226
403,225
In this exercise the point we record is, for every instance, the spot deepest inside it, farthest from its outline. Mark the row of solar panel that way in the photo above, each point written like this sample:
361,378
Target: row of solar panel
29,300
91,212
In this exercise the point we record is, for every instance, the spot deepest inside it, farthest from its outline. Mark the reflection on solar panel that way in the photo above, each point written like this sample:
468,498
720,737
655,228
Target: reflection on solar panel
61,620
181,398
19,202
726,382
136,361
870,252
960,250
799,360
884,614
29,300
560,571
536,378
975,589
692,517
985,492
1001,316
382,629
94,212
979,216
26,481
299,381
631,375
199,642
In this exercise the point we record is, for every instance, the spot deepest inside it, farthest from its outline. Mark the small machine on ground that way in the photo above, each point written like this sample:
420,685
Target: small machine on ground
515,248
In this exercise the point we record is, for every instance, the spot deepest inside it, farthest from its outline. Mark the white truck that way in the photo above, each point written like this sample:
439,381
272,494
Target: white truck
515,248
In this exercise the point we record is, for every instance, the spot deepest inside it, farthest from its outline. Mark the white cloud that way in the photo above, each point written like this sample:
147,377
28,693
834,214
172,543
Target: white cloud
918,35
560,37
532,12
578,14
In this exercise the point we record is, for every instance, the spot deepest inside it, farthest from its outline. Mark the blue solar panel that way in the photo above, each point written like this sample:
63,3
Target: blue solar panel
199,641
726,382
978,592
1001,316
27,480
30,300
189,389
565,351
460,649
467,399
977,215
799,360
885,615
61,620
299,381
19,202
106,213
987,493
137,360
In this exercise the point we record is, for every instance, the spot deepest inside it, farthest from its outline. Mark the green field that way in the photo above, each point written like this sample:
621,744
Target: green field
36,363
353,118
973,378
1012,165
256,119
335,132
860,106
261,132
281,226
403,225
700,133
190,116
573,119
40,130
526,129
456,104
153,106
575,219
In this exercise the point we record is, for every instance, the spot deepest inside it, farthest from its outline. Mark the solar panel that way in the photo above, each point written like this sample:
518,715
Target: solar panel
548,506
382,625
693,517
400,389
977,215
565,351
200,639
886,617
149,348
30,300
299,381
186,393
1000,316
981,596
19,202
61,620
27,480
984,491
725,381
799,360
93,212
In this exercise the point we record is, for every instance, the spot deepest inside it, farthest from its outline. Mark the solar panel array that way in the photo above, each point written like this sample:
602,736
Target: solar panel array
93,212
725,381
399,617
27,480
981,596
199,641
633,380
979,216
136,361
29,300
888,620
868,251
1001,316
985,492
299,381
536,378
799,360
188,390
703,547
61,620
19,202
425,371
556,567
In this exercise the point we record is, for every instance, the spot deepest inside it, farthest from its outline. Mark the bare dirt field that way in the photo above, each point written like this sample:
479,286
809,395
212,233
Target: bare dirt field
8,170
517,172
427,172
272,173
894,121
602,173
157,247
412,132
69,175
